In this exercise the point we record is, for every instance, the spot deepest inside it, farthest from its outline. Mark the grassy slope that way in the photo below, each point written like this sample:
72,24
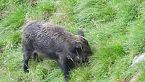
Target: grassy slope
114,29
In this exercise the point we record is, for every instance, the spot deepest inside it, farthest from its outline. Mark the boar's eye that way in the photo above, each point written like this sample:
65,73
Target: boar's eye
76,49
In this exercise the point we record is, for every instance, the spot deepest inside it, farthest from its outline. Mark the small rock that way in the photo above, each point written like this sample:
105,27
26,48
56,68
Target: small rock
138,59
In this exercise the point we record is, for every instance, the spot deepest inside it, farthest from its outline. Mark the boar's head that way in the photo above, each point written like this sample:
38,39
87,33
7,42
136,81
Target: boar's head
81,49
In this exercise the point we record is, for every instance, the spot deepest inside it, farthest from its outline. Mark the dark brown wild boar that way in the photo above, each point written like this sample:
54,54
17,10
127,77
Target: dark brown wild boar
55,43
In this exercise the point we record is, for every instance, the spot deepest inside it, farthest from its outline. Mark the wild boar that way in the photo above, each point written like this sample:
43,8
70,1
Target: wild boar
56,43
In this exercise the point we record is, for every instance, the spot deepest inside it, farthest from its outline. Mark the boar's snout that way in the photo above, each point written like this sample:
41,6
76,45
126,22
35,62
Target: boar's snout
81,52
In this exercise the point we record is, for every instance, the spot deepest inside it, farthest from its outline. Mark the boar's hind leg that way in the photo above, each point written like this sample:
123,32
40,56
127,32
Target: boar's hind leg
36,57
27,55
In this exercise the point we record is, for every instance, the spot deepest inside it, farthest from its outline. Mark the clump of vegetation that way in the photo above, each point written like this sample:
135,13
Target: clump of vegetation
94,10
43,9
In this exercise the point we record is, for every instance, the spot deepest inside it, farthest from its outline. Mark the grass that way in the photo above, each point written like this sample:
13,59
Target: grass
114,29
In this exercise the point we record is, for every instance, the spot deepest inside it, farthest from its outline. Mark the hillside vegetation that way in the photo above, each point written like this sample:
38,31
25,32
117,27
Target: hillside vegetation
115,30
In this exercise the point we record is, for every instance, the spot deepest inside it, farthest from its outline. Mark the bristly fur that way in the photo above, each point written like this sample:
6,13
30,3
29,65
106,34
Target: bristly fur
56,43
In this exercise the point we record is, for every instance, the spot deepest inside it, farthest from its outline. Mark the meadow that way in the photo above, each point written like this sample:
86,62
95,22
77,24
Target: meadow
115,30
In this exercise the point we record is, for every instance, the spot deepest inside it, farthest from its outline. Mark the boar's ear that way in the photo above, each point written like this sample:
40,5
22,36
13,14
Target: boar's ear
81,33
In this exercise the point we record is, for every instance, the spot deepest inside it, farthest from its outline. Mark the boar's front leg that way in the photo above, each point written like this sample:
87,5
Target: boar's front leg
62,61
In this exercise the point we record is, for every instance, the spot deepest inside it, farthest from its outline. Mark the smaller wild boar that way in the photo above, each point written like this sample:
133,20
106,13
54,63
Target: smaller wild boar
56,43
